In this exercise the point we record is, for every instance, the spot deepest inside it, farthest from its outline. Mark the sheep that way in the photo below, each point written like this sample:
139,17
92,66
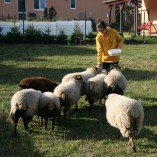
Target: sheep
126,114
95,88
115,81
49,106
39,83
88,73
24,104
69,92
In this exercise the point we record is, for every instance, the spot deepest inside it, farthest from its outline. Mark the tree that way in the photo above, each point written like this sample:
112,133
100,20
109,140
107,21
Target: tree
52,13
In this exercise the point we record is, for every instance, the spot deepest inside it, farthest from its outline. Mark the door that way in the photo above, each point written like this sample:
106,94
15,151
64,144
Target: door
22,9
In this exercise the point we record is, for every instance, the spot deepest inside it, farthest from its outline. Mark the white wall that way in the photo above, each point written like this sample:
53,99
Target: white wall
55,27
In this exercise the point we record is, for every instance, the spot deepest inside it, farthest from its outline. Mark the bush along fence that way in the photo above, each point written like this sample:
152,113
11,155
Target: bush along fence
31,33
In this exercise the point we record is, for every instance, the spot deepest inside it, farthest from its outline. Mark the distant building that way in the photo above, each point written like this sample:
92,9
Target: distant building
148,17
66,9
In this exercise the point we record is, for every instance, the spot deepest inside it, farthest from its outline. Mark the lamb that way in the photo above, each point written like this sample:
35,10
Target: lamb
88,73
69,92
39,83
24,104
49,106
126,114
115,81
95,88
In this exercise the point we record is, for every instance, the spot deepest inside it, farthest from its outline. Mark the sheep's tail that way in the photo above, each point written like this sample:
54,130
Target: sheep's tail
114,89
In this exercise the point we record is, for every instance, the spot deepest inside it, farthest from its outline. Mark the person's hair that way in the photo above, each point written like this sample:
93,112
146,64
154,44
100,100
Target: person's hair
101,24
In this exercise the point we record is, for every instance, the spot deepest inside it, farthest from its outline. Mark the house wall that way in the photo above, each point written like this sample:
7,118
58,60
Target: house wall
150,15
8,9
93,9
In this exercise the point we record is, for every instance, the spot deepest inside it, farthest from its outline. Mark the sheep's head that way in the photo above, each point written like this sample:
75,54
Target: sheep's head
116,67
93,69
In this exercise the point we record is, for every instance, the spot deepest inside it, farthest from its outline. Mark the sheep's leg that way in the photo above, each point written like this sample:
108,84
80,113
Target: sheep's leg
91,102
132,144
118,134
76,107
53,123
15,121
59,116
65,113
26,120
42,121
46,121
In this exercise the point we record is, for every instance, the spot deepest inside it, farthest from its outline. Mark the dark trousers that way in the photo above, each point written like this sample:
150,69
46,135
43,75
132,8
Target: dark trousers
107,66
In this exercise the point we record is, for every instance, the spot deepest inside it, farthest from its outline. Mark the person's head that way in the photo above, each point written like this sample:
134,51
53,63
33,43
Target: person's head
101,26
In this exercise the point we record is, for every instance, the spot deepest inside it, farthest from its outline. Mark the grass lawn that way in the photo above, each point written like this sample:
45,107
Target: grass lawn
84,134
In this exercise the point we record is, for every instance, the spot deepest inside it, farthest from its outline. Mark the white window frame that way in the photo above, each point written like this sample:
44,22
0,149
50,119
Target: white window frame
70,4
40,5
8,2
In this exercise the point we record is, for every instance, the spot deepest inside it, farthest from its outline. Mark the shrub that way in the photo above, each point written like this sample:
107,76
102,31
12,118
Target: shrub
93,23
77,36
52,13
32,35
47,37
62,37
14,36
91,38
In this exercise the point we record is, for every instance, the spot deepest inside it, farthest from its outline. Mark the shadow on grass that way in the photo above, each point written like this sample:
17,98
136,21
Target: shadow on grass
12,75
23,52
139,75
86,126
19,146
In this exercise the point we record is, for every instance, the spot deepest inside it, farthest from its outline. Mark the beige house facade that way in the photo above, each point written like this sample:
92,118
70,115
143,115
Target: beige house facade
66,9
149,17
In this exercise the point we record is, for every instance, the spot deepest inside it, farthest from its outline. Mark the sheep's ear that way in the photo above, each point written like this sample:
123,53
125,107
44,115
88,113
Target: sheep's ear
96,68
79,77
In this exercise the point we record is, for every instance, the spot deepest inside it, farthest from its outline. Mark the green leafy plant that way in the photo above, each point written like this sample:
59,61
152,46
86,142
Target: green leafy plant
47,37
77,36
62,37
14,35
32,35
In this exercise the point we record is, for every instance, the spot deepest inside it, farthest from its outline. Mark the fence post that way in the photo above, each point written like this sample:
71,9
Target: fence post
23,26
85,26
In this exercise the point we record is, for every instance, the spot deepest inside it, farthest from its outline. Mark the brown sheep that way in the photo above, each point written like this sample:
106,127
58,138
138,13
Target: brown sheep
38,83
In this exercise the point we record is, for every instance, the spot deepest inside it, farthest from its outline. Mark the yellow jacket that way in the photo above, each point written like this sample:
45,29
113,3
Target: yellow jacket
110,40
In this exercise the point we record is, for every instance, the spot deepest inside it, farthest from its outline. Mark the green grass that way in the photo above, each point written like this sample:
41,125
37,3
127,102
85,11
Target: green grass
84,134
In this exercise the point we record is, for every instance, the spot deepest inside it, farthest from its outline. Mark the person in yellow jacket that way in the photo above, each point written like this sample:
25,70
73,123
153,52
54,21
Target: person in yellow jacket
107,38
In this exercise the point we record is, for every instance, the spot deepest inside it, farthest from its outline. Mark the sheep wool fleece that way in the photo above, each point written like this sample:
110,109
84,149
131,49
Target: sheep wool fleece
124,113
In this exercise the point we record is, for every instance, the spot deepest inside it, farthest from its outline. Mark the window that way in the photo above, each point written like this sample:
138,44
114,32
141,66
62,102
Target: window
7,1
73,4
40,4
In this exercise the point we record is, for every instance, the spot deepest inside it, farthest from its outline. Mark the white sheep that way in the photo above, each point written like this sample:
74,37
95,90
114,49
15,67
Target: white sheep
24,104
95,89
69,92
115,81
88,73
49,106
126,114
